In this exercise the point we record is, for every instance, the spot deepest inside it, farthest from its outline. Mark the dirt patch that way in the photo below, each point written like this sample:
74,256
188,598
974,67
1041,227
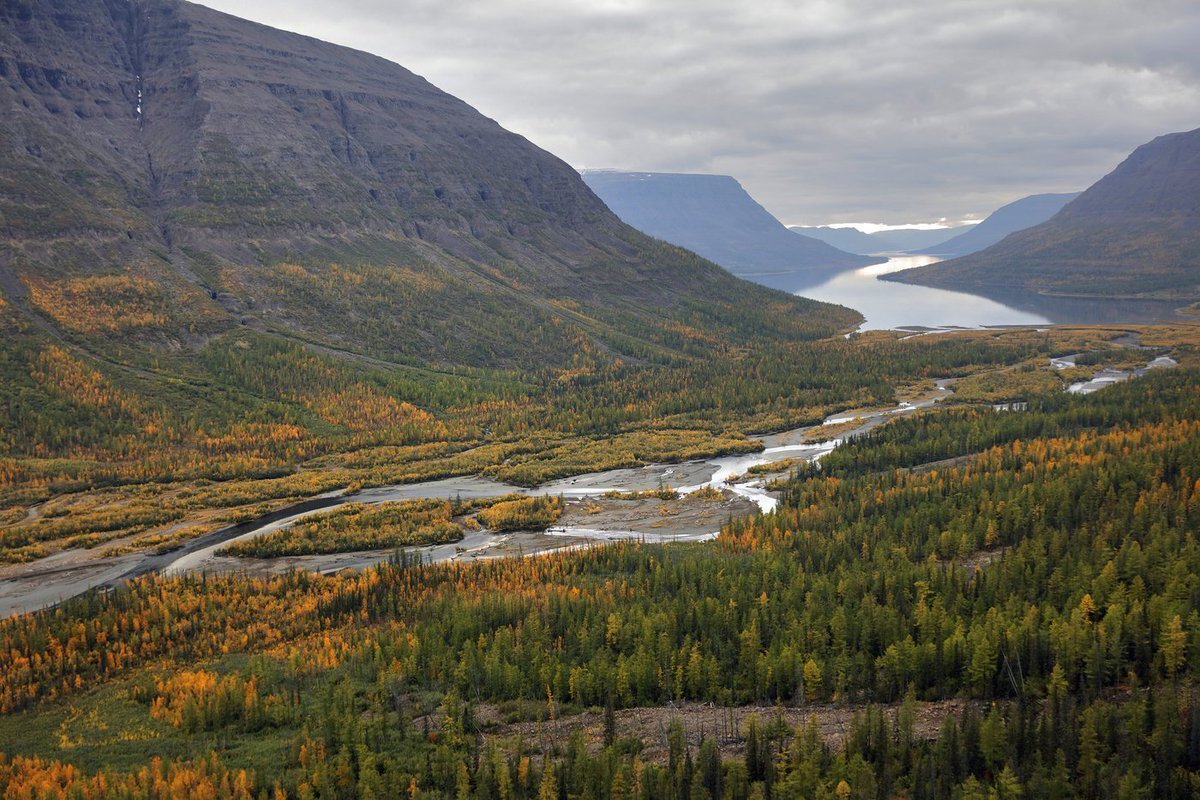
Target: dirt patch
834,430
28,587
652,476
980,559
726,724
945,463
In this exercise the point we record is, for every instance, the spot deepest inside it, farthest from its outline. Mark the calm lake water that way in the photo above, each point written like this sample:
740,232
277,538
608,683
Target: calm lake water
896,305
888,305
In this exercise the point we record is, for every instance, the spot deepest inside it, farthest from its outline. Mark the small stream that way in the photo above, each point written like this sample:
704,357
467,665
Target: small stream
1108,375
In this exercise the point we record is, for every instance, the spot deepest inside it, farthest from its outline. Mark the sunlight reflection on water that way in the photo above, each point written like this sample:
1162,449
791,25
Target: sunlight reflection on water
889,305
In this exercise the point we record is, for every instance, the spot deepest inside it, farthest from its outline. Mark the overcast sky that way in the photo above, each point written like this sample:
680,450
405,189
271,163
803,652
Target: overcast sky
889,111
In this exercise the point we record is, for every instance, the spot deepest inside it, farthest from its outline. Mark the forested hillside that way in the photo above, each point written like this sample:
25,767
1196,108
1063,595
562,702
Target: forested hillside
1046,574
241,268
193,441
206,221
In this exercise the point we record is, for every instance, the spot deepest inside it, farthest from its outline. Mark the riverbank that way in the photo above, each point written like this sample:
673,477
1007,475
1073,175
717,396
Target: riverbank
590,517
735,486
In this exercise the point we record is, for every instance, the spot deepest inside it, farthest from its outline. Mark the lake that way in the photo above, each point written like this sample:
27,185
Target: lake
888,305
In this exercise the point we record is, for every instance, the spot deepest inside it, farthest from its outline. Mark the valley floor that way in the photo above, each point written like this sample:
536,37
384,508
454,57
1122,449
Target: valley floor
592,515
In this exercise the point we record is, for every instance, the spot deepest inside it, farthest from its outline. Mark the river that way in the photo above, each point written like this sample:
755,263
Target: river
726,473
729,474
72,572
48,581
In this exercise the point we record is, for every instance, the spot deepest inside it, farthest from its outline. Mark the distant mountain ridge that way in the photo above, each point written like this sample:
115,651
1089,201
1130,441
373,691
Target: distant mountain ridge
1134,233
954,241
852,240
715,217
901,240
1015,216
907,240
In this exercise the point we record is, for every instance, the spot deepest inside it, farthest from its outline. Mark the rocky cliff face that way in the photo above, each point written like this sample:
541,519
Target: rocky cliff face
215,123
1134,233
207,159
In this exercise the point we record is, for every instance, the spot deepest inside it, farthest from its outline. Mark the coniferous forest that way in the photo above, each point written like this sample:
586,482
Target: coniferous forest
1005,604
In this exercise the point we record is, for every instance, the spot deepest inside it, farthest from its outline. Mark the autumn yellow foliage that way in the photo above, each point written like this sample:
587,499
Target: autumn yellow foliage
98,304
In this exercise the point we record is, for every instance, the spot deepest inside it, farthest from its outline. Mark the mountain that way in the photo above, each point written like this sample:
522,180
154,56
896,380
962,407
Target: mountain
906,240
1134,233
1016,216
901,240
714,216
171,173
852,240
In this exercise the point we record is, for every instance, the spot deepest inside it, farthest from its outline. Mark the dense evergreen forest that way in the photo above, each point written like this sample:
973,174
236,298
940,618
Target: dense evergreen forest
1040,566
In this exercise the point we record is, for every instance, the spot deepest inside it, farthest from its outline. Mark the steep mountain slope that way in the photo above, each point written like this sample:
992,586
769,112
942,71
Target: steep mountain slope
1135,233
1015,216
170,172
714,216
902,240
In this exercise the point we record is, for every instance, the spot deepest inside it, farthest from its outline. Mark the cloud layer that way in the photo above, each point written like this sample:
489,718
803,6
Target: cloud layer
826,110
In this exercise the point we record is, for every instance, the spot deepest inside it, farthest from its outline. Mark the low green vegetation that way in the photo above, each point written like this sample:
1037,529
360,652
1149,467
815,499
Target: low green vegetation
772,467
357,526
522,514
1007,386
404,523
661,493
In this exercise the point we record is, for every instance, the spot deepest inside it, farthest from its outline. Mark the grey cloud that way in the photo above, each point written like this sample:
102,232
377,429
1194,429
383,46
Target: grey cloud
826,110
